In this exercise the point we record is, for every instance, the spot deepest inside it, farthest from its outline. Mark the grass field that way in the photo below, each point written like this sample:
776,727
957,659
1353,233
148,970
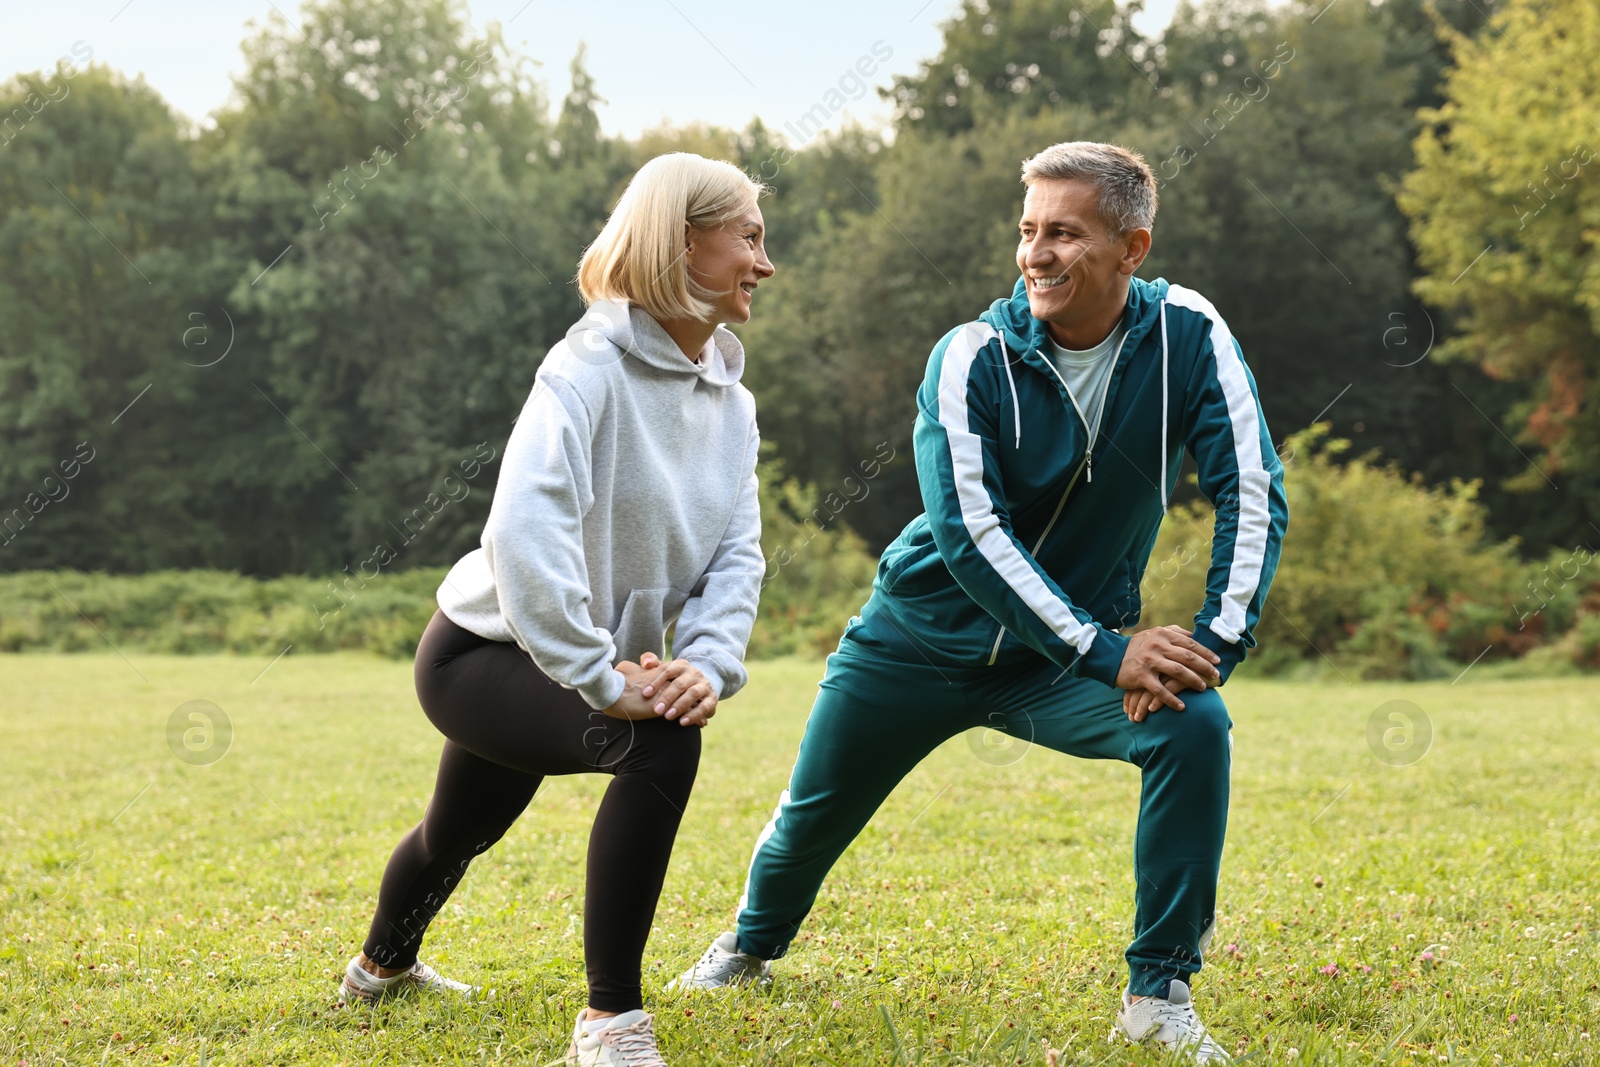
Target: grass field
162,912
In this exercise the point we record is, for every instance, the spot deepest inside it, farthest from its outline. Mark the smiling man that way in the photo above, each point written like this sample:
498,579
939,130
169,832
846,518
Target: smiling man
1048,436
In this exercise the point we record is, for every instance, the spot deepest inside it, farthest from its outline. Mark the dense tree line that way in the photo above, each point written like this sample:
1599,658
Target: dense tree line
273,345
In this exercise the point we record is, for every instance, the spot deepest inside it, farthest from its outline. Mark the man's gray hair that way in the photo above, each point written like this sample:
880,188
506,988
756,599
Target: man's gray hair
1126,186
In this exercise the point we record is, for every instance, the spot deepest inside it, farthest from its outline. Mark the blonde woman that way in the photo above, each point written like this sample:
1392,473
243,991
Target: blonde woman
626,502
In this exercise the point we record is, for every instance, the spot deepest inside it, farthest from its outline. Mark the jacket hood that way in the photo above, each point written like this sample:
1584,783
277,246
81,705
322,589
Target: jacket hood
1021,332
1024,333
636,333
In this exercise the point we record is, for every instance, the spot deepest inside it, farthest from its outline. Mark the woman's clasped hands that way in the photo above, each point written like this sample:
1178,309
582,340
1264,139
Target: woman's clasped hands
676,691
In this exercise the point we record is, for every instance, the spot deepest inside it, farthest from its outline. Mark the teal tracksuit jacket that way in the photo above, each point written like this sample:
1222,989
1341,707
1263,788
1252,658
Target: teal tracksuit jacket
1035,538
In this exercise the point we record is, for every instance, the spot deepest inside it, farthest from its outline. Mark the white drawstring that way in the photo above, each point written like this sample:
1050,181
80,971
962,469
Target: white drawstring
1016,407
1163,407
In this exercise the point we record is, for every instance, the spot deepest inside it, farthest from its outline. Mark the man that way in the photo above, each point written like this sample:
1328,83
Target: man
1048,435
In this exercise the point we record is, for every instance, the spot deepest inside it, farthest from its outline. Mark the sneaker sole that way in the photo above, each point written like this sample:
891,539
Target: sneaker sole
349,992
1186,1054
678,985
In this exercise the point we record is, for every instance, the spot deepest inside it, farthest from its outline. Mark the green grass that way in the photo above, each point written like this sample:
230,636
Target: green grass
157,912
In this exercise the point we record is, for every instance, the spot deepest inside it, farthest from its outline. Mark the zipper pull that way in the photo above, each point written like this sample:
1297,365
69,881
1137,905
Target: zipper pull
1090,460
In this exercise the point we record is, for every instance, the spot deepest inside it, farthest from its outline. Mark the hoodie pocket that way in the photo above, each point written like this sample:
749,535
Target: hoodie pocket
642,625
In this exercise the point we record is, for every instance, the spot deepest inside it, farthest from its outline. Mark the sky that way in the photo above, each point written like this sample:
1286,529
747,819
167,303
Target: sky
654,61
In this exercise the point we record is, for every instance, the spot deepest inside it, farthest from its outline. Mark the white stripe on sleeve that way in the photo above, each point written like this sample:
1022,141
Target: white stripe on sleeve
1250,539
977,510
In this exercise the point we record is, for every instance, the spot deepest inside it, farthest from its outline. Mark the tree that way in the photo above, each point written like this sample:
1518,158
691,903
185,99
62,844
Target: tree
335,298
577,133
410,245
1276,205
1027,56
1504,209
1272,162
106,232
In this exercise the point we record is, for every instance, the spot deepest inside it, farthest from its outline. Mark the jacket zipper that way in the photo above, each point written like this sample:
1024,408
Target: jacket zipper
1104,389
1087,464
994,652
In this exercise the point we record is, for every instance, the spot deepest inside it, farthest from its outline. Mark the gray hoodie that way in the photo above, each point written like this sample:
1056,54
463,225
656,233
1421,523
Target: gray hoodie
626,500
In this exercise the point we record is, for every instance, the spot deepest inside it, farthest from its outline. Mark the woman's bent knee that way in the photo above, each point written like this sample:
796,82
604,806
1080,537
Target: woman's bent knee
664,751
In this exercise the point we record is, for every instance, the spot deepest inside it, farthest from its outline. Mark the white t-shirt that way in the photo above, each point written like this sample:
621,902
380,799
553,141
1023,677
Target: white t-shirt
1086,373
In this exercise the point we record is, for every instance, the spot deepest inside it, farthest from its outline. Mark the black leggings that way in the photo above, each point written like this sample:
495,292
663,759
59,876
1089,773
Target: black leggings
507,726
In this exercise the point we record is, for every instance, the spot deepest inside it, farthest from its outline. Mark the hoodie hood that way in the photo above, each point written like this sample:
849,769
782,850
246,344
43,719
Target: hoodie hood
636,333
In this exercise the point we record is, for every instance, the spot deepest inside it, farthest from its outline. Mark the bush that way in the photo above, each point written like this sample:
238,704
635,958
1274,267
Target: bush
1381,576
819,574
215,611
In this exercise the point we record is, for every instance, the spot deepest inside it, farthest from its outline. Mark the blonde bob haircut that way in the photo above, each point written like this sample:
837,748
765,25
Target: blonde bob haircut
639,255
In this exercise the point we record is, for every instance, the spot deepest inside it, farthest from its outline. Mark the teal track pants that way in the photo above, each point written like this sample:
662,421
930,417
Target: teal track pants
881,709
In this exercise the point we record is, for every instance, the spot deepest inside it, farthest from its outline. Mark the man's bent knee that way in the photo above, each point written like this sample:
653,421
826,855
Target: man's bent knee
1202,726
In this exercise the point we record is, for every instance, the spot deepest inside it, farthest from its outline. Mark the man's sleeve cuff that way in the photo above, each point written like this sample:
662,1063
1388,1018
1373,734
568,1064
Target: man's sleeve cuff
1103,661
1231,652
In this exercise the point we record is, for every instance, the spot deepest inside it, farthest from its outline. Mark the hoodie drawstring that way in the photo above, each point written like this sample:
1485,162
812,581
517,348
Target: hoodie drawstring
1163,313
1016,407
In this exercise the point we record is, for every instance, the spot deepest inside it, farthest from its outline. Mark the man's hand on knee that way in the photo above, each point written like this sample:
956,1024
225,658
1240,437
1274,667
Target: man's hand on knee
1159,664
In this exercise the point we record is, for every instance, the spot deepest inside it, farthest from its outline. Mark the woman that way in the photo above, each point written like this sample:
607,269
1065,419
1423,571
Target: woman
626,502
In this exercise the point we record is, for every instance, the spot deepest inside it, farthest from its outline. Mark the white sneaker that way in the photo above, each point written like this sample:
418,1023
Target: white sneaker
1170,1022
626,1040
361,984
724,965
